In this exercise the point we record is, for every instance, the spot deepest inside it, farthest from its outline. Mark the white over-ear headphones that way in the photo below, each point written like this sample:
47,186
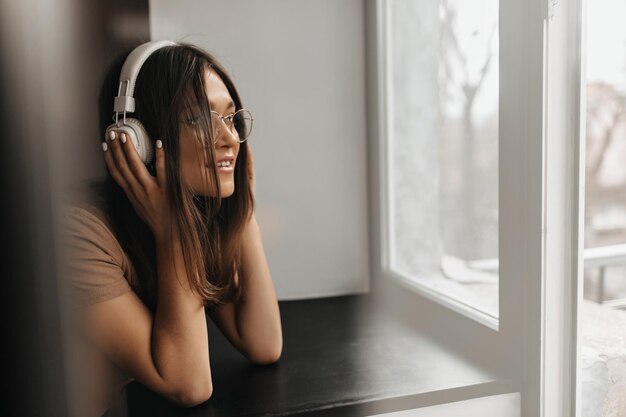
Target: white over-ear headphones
125,102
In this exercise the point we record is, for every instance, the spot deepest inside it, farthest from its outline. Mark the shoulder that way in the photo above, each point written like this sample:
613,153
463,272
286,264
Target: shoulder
89,224
94,263
84,211
86,219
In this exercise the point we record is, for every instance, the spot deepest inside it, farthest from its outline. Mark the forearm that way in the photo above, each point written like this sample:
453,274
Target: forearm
179,336
258,316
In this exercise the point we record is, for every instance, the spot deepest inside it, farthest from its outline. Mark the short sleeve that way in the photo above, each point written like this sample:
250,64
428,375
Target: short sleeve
93,259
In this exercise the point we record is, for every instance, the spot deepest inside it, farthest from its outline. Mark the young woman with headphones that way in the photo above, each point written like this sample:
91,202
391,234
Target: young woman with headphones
170,233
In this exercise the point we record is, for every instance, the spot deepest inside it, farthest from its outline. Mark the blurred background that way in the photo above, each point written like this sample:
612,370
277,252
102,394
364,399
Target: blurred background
53,56
605,204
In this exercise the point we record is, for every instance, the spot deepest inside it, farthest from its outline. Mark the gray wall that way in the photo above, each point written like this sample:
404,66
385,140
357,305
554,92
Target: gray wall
95,33
300,67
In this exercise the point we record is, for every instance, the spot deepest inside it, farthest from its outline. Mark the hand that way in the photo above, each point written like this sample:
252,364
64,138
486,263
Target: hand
251,176
147,194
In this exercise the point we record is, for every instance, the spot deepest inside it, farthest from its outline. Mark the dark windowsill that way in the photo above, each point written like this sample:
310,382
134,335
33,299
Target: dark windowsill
340,358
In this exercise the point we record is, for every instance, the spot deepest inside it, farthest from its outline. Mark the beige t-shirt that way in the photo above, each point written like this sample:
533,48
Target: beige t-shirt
96,269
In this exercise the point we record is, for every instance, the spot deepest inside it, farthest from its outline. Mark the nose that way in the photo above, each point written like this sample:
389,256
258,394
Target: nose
226,137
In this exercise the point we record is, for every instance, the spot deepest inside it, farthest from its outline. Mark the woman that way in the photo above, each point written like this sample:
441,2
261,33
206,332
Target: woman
151,247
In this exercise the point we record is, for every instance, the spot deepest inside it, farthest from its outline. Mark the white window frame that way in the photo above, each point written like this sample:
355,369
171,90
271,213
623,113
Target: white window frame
541,198
556,341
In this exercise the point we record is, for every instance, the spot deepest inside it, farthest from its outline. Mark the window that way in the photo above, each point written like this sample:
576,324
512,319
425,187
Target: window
539,183
605,179
441,142
601,346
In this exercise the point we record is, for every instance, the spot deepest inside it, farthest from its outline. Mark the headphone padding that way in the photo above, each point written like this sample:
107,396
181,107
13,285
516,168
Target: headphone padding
138,135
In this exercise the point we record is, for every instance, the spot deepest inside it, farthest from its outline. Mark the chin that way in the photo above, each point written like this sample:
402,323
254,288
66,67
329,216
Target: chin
227,192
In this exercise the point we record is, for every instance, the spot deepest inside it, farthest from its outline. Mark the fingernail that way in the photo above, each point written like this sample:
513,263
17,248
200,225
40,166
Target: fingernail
123,137
159,144
105,146
112,135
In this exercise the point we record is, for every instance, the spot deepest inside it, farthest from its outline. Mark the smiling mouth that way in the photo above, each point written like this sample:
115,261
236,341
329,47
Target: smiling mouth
227,168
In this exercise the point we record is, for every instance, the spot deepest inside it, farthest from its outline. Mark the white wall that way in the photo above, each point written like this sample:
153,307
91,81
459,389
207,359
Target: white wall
300,67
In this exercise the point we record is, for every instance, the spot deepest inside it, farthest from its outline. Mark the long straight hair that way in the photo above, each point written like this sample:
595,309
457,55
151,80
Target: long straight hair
170,81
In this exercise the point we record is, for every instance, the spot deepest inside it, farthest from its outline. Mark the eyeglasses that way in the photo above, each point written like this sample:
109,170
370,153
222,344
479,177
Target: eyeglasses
239,123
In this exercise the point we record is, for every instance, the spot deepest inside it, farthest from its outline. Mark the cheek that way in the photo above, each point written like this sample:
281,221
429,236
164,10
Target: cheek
192,161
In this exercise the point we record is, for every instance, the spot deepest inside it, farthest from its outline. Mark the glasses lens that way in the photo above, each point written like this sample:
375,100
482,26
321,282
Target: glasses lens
242,122
216,124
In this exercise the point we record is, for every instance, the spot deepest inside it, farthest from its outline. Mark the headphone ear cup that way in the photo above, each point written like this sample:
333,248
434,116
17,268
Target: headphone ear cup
138,135
142,142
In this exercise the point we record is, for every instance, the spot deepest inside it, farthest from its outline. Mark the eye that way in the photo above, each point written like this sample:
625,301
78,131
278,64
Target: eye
229,118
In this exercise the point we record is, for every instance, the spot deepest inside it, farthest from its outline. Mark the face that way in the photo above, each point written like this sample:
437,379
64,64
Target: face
195,170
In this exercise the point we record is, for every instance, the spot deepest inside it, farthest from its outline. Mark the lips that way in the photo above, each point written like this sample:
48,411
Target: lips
226,158
230,158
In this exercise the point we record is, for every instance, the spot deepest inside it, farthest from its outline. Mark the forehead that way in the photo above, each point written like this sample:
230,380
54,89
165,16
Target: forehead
216,91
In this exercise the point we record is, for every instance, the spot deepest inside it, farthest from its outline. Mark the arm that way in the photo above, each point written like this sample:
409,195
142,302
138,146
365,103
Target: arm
167,352
253,325
180,342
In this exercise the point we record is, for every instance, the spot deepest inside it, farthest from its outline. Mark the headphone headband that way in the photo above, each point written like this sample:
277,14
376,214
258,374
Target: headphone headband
125,102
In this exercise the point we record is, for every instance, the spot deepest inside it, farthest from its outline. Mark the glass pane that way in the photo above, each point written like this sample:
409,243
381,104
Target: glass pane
443,147
603,318
605,198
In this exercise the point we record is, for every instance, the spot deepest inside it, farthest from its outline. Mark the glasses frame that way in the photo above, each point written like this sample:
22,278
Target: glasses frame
229,125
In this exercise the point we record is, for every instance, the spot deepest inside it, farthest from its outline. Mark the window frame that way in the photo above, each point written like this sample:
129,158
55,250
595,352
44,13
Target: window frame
541,196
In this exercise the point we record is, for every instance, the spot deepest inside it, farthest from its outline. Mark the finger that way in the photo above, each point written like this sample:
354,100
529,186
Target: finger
136,165
111,166
160,164
121,163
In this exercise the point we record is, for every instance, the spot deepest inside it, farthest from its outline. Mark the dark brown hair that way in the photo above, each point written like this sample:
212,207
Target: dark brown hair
170,81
